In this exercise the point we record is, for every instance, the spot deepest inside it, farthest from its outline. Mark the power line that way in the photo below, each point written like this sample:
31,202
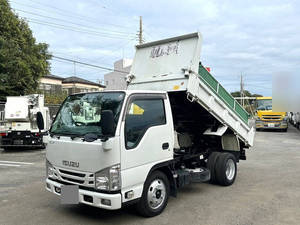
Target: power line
62,20
70,28
70,14
88,64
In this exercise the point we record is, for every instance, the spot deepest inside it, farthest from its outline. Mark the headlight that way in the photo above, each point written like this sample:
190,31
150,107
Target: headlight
257,119
49,170
109,179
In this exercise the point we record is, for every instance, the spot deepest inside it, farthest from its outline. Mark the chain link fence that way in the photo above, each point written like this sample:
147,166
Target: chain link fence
53,109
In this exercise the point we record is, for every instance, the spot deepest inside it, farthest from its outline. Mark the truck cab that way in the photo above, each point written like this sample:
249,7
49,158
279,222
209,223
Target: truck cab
266,118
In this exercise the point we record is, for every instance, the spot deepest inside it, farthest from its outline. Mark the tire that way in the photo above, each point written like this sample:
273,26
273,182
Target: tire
211,165
157,184
284,130
6,149
226,169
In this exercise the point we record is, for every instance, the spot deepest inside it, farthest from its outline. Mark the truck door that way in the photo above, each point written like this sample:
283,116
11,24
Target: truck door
147,137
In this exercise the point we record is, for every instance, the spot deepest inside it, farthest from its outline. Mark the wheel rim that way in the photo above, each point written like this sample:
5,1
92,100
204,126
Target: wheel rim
156,194
230,169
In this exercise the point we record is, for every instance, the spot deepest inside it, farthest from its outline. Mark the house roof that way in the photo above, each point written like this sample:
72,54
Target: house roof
73,79
51,76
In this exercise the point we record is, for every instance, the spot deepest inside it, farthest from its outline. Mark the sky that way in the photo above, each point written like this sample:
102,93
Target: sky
257,38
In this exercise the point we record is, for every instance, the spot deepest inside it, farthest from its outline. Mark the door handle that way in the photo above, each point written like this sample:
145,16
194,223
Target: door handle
165,146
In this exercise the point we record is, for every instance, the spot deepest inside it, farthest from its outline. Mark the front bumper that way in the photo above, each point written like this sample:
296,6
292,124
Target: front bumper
94,197
271,124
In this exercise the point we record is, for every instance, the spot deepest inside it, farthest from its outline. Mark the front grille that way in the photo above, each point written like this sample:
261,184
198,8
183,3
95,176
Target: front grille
73,180
272,117
75,177
72,173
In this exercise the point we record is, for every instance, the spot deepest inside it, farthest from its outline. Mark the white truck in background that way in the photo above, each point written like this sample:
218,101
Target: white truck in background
294,118
20,122
173,126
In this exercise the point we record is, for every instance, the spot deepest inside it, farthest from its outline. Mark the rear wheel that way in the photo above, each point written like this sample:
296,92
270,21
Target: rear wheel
226,169
155,195
211,165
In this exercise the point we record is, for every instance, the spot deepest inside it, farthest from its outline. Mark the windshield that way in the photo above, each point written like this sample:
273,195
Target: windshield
81,114
264,104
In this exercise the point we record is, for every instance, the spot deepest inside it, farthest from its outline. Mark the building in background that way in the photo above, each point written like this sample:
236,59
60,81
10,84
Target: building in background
116,80
51,84
74,84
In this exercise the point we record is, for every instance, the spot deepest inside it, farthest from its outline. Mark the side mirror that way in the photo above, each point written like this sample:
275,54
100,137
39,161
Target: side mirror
107,122
40,121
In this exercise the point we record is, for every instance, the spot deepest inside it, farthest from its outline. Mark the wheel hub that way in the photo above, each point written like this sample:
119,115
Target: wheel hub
230,169
156,193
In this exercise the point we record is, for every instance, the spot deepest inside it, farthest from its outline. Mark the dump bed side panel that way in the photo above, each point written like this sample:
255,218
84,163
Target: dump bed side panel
219,90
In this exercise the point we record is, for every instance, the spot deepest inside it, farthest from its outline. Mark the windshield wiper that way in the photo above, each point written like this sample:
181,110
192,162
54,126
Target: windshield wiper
73,136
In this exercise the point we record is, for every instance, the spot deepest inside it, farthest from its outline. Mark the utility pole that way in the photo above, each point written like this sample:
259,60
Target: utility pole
141,31
242,90
74,68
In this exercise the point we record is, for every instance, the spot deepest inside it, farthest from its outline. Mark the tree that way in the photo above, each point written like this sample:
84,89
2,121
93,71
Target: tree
55,99
246,93
249,103
22,61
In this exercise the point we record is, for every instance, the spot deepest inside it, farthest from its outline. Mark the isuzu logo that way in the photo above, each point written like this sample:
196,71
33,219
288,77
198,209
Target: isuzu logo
70,163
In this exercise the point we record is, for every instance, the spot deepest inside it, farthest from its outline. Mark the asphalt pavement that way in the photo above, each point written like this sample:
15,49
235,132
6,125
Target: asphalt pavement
266,191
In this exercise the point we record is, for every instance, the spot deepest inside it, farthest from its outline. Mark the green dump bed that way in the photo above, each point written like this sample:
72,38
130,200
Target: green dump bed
220,91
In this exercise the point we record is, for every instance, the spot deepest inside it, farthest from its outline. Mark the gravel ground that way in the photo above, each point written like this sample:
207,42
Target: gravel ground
266,191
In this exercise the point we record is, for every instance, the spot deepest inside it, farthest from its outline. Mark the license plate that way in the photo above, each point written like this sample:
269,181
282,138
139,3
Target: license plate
271,125
69,194
18,142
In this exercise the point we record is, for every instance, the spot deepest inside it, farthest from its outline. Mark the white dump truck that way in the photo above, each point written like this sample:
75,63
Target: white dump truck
173,126
20,121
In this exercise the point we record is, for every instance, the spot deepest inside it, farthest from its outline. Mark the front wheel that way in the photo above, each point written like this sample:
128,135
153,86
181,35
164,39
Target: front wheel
155,195
226,169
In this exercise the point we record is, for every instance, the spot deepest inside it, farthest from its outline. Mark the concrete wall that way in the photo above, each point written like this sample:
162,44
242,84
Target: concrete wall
116,80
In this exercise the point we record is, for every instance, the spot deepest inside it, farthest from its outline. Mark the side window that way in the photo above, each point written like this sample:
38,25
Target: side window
142,114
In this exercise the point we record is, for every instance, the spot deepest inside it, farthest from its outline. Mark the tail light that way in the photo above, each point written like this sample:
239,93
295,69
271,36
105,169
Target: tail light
3,134
37,134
